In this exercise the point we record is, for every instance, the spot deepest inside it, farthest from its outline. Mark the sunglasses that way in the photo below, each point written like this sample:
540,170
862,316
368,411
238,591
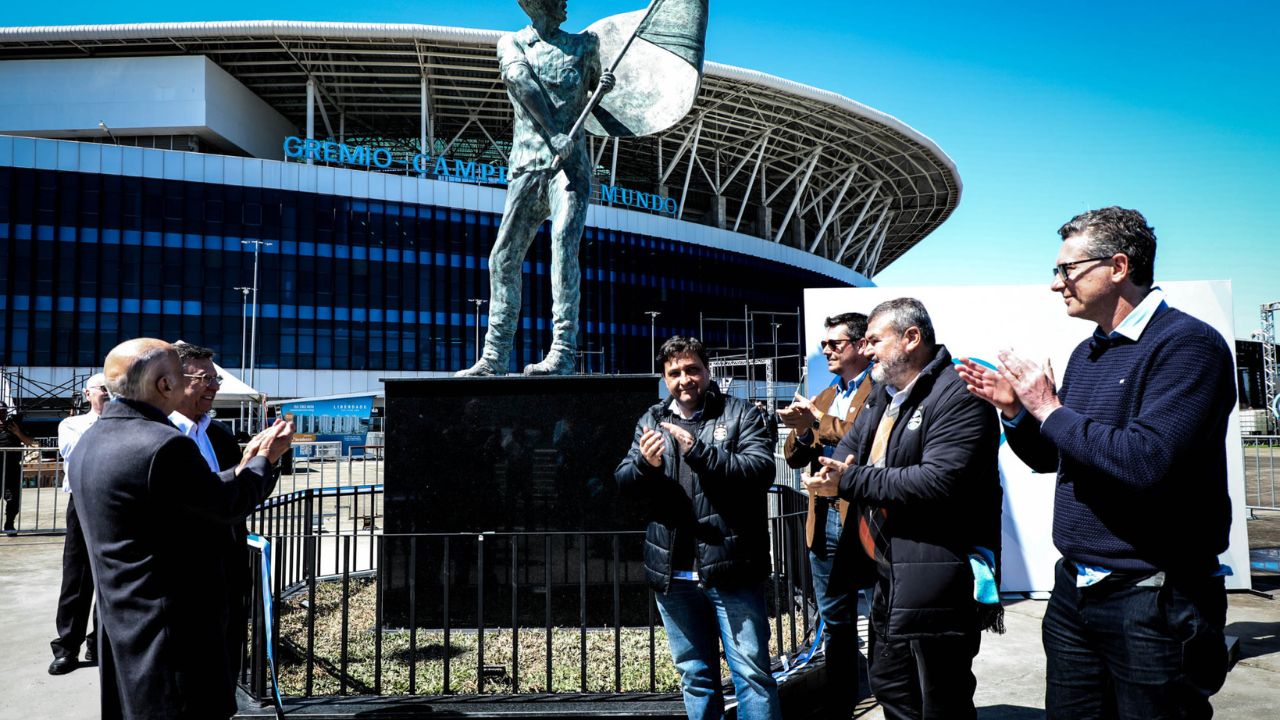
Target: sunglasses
835,345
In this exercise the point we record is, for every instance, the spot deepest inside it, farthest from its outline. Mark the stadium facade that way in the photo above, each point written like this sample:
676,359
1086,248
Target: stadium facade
142,167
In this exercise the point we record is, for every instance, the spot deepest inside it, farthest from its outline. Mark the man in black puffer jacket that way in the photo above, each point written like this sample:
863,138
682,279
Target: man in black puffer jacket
703,462
927,494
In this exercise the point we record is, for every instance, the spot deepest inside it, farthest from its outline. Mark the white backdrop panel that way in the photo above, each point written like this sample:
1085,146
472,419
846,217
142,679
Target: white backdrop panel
977,321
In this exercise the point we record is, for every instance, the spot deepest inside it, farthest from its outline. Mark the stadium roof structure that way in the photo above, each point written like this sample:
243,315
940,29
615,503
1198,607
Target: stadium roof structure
839,179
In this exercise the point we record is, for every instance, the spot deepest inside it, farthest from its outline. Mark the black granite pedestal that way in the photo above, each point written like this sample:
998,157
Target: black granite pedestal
501,503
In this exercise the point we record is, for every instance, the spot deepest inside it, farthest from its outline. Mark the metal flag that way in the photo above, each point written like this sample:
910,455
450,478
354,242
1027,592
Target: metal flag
656,55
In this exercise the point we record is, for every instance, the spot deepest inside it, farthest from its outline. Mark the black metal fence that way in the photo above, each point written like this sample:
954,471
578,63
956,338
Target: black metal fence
356,612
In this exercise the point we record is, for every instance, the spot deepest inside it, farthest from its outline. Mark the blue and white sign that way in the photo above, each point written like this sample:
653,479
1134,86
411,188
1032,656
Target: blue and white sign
344,420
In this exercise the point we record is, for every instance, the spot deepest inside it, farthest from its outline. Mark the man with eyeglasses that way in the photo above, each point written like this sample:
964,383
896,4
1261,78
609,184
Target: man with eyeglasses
817,426
75,600
1137,436
221,451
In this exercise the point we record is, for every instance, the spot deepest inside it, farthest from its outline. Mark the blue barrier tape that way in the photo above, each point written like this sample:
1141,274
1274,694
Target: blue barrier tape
807,655
980,361
263,546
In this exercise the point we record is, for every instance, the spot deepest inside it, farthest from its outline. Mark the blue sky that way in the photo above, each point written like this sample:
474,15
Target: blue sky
1047,109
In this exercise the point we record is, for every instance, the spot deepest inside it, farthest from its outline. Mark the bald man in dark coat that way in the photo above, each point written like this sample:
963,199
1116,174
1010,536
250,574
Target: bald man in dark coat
155,518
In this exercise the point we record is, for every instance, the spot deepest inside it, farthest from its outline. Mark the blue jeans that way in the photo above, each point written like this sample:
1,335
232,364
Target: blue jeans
838,606
699,619
1118,650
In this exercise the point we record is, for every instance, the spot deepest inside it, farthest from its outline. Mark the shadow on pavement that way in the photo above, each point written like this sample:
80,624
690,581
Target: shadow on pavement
1009,712
1256,638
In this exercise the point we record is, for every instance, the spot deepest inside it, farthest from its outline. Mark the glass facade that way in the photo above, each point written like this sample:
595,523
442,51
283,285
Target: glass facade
87,260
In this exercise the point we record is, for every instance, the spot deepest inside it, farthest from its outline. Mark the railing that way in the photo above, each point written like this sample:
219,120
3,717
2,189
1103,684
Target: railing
784,474
31,479
327,515
1262,471
509,613
322,465
41,506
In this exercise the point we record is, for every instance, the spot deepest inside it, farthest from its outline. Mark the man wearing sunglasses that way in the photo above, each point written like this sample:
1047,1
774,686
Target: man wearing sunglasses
220,451
1137,436
817,426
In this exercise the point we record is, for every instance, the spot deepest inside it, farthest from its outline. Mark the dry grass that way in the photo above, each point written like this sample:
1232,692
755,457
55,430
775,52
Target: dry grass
604,667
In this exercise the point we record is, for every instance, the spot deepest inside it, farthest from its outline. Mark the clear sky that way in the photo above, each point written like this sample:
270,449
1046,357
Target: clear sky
1170,107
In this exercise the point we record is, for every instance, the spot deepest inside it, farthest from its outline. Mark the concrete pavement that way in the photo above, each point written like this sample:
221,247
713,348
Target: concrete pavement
30,575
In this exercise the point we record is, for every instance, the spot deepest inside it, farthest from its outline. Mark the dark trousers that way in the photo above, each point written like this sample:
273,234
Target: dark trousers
1119,650
833,586
11,468
925,679
239,582
75,600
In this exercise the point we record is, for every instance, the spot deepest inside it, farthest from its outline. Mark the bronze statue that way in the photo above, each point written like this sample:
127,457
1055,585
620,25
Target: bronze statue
556,82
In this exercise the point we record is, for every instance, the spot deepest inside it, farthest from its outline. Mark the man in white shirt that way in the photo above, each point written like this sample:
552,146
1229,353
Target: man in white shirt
76,598
221,451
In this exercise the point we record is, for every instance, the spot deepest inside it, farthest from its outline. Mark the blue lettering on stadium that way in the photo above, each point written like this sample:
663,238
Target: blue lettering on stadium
451,170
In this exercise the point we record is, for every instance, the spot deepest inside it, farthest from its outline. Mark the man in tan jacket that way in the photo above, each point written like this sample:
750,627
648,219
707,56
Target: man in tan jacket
816,428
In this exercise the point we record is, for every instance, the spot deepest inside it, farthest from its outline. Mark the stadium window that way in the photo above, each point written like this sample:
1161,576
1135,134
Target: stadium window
213,211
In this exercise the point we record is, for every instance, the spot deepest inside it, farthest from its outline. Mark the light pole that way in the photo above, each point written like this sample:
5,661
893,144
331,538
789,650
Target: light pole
653,351
244,327
244,339
253,326
478,302
103,127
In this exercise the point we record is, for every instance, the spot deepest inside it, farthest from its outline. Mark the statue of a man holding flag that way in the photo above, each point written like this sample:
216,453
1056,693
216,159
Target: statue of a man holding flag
556,82
550,76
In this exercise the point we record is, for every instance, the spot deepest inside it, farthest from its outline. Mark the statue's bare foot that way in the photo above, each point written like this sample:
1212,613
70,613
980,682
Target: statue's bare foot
482,368
555,363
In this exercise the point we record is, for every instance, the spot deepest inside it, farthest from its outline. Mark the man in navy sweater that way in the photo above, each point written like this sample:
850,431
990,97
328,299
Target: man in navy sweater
1137,436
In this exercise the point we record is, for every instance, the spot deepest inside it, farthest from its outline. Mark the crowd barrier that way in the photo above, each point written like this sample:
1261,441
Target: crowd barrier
357,612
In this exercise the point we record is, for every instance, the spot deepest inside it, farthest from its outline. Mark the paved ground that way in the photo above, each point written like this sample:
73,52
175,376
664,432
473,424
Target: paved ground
30,573
1010,667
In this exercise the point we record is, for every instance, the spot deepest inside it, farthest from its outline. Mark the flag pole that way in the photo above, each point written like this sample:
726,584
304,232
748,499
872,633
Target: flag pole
599,93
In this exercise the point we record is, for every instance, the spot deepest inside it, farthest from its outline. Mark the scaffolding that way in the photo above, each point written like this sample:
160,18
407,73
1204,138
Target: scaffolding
30,395
759,342
1269,379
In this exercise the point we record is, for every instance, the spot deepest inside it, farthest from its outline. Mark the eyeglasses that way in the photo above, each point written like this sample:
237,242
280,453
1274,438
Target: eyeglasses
1062,271
206,379
835,345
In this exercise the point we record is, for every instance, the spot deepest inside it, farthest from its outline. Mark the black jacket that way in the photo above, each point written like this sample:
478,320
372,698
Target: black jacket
733,468
941,489
236,552
155,521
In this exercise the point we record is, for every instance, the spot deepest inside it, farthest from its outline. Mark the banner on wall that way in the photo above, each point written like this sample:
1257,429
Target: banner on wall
344,420
978,321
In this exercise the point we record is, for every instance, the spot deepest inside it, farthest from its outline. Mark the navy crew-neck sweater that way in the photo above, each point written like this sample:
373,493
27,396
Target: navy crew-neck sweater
1140,449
